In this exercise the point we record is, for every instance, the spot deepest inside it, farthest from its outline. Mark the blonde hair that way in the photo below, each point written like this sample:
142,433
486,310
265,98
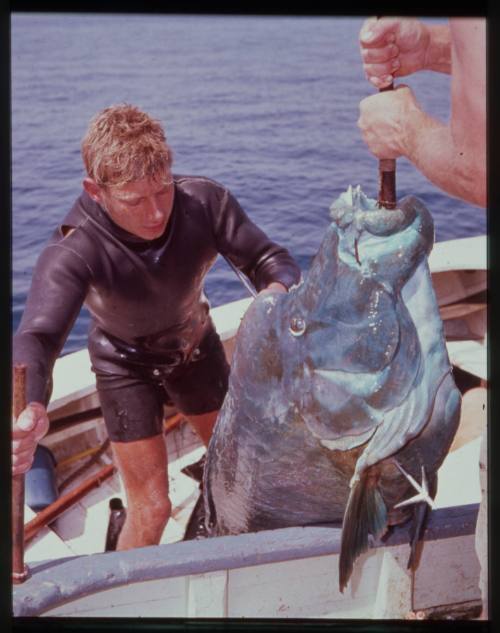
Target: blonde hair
124,144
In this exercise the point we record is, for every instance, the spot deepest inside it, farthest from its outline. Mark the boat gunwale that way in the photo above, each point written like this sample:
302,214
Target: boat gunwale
56,582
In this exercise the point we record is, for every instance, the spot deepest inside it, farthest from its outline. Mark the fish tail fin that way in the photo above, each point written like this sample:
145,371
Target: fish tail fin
417,527
365,514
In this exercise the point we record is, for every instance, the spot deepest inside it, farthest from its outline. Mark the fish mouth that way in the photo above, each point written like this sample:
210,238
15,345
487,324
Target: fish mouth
360,220
384,244
354,210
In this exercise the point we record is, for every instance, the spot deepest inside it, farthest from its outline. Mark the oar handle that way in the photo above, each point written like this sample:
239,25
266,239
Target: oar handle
19,570
387,174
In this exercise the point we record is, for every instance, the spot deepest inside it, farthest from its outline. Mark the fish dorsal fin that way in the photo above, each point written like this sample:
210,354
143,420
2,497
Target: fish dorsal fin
365,514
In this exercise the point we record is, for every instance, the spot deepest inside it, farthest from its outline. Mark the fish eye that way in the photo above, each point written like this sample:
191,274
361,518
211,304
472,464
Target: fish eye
297,326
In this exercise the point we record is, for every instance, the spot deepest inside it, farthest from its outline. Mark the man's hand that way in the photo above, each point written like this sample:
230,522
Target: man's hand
393,47
387,121
29,428
274,286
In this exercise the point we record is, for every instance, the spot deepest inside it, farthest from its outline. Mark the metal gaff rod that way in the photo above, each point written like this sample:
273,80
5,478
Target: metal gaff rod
387,174
242,277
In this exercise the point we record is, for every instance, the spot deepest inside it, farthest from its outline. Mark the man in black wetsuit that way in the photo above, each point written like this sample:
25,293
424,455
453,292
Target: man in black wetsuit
135,249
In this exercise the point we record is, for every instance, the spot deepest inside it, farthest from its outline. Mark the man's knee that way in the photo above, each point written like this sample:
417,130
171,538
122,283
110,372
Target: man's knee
153,510
145,523
159,511
152,501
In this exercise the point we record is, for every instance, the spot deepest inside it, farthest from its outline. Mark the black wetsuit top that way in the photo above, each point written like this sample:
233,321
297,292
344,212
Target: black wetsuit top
145,297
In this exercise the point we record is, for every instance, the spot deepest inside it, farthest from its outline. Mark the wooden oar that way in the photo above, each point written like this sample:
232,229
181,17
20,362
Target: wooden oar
172,423
54,510
19,570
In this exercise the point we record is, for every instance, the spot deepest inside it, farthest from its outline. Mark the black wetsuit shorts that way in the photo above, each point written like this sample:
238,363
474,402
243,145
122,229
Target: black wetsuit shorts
132,404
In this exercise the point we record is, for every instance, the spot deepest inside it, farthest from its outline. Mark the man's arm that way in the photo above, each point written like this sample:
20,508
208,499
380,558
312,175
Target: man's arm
452,156
267,264
59,285
468,106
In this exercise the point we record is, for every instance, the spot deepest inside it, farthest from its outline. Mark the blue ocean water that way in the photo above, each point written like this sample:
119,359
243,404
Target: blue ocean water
266,105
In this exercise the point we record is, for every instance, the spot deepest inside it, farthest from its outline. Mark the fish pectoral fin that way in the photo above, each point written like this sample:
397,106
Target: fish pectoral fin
365,514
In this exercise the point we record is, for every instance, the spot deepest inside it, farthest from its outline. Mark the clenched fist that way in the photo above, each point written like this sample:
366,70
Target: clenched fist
393,47
29,428
386,121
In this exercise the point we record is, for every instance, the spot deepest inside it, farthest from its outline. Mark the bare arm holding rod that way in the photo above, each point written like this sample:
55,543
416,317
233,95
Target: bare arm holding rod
393,124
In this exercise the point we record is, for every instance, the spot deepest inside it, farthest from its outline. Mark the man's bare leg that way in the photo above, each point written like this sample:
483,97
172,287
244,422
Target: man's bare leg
204,424
143,468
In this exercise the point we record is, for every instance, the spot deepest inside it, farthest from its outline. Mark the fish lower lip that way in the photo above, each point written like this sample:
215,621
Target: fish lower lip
361,383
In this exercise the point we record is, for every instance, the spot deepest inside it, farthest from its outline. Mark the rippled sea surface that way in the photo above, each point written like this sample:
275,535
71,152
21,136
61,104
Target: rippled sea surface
266,105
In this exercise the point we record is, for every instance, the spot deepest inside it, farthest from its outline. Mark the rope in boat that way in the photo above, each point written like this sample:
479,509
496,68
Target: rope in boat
97,453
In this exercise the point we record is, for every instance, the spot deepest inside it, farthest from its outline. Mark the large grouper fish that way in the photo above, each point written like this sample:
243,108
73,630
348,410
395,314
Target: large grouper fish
341,399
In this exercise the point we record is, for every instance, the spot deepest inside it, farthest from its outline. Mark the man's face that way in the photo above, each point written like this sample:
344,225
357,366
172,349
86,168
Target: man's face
141,207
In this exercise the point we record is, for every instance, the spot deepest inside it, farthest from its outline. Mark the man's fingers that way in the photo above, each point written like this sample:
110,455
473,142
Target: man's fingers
20,464
29,428
21,456
381,70
23,445
381,82
382,120
378,32
369,34
379,55
32,421
26,422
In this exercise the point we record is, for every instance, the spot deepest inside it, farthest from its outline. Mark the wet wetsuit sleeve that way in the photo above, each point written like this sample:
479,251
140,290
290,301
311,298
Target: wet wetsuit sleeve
60,282
249,248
